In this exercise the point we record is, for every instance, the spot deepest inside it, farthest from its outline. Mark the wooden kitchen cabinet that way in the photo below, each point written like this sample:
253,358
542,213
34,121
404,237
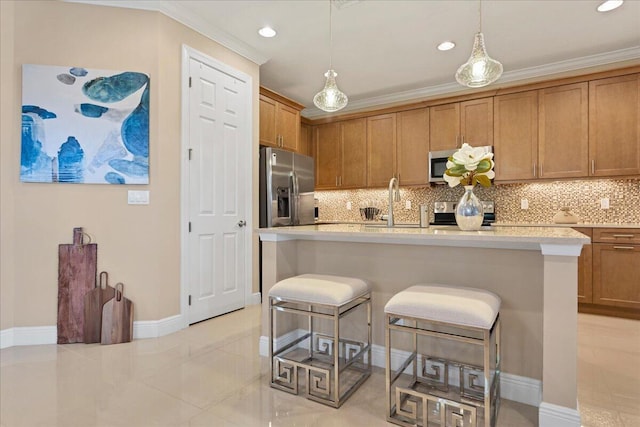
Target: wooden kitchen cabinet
381,149
305,144
563,131
353,155
614,126
453,124
515,141
412,150
340,154
615,273
279,121
326,141
585,286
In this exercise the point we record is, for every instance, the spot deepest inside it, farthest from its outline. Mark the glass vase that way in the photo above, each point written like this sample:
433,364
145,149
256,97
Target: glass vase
469,212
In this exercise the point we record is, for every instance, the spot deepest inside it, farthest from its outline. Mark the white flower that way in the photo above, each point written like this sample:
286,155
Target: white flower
469,157
470,166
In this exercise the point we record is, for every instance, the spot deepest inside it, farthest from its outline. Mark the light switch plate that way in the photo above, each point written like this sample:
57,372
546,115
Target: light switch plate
348,206
407,204
137,197
524,204
604,203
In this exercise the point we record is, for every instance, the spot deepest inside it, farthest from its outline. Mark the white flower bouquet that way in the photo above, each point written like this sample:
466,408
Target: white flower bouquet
470,166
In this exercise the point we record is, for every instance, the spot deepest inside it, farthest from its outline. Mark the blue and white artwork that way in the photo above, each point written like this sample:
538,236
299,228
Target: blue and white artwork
82,125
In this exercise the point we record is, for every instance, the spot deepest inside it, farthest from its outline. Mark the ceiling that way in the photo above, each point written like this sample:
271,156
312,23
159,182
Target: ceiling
384,51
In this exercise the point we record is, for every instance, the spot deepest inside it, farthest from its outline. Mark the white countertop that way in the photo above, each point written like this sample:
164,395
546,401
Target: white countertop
580,224
526,238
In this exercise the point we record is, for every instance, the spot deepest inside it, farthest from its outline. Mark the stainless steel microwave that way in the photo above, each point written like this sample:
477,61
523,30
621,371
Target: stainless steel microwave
438,163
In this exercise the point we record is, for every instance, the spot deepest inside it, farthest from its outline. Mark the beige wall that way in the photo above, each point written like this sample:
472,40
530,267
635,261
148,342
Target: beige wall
138,245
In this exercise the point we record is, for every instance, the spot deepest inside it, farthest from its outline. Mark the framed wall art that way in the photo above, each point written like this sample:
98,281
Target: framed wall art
82,125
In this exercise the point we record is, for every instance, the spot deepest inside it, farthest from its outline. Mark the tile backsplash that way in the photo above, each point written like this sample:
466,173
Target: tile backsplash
545,199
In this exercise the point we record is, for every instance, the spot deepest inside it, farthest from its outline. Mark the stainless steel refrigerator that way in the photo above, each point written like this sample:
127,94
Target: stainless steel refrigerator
287,182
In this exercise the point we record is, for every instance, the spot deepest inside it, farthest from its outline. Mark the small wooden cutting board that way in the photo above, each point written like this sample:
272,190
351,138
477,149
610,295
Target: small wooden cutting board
93,302
117,318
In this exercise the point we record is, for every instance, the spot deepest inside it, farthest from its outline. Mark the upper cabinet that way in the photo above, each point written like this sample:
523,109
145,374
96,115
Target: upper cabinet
453,124
305,144
563,131
279,121
584,128
412,149
614,126
381,149
516,136
340,154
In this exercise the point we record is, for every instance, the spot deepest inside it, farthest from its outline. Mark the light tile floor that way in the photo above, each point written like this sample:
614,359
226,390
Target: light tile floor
211,375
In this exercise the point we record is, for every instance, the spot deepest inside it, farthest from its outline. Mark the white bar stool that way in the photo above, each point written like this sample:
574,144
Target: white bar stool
333,366
439,313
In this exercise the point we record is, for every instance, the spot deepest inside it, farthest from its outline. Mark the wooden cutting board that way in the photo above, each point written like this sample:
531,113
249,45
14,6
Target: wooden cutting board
117,318
93,302
76,276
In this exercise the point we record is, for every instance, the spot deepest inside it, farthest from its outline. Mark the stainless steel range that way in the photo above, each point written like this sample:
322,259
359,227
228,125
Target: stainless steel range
444,213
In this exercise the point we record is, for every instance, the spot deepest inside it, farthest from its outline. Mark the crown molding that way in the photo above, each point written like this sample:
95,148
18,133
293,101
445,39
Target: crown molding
173,10
536,72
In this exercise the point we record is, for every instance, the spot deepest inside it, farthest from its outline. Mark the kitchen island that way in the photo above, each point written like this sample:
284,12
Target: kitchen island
533,269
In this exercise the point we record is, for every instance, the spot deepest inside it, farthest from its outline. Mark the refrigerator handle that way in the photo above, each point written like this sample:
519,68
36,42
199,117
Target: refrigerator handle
295,205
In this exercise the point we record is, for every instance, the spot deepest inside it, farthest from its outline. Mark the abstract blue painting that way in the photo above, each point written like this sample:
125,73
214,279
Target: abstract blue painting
81,125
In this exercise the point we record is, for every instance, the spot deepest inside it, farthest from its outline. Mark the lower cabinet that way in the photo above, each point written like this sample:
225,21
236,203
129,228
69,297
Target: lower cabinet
609,273
585,293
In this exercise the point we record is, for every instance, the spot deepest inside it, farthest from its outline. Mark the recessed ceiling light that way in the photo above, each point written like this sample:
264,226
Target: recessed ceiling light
446,46
267,32
609,5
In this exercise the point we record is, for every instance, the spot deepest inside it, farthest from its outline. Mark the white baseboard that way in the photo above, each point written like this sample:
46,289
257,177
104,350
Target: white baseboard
41,335
254,299
512,387
550,415
29,335
157,328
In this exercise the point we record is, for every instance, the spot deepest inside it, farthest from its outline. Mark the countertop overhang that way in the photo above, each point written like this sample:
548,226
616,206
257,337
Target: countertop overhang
549,240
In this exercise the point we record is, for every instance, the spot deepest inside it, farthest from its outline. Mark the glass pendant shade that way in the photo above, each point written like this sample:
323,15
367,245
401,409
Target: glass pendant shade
480,70
330,98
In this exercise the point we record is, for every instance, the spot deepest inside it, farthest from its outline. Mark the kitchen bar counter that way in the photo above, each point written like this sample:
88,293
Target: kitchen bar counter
533,269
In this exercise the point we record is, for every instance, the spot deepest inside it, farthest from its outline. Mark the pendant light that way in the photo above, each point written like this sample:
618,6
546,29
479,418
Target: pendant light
480,70
330,98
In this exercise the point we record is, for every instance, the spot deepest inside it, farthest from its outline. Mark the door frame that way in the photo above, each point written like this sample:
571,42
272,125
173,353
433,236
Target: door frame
189,53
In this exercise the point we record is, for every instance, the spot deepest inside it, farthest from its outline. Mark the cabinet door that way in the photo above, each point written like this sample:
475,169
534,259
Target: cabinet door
381,149
444,127
288,126
616,268
354,154
327,144
585,271
268,121
516,136
563,126
476,122
413,147
304,144
614,126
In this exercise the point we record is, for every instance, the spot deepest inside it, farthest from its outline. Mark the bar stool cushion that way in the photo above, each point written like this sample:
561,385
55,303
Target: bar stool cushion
320,289
443,303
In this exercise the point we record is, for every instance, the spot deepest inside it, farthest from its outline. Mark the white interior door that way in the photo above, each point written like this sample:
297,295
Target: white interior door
218,181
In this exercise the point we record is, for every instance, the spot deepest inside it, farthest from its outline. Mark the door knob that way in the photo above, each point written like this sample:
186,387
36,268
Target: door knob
242,223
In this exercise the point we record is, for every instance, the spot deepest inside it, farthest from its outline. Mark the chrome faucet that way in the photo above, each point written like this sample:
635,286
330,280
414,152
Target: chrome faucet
394,195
